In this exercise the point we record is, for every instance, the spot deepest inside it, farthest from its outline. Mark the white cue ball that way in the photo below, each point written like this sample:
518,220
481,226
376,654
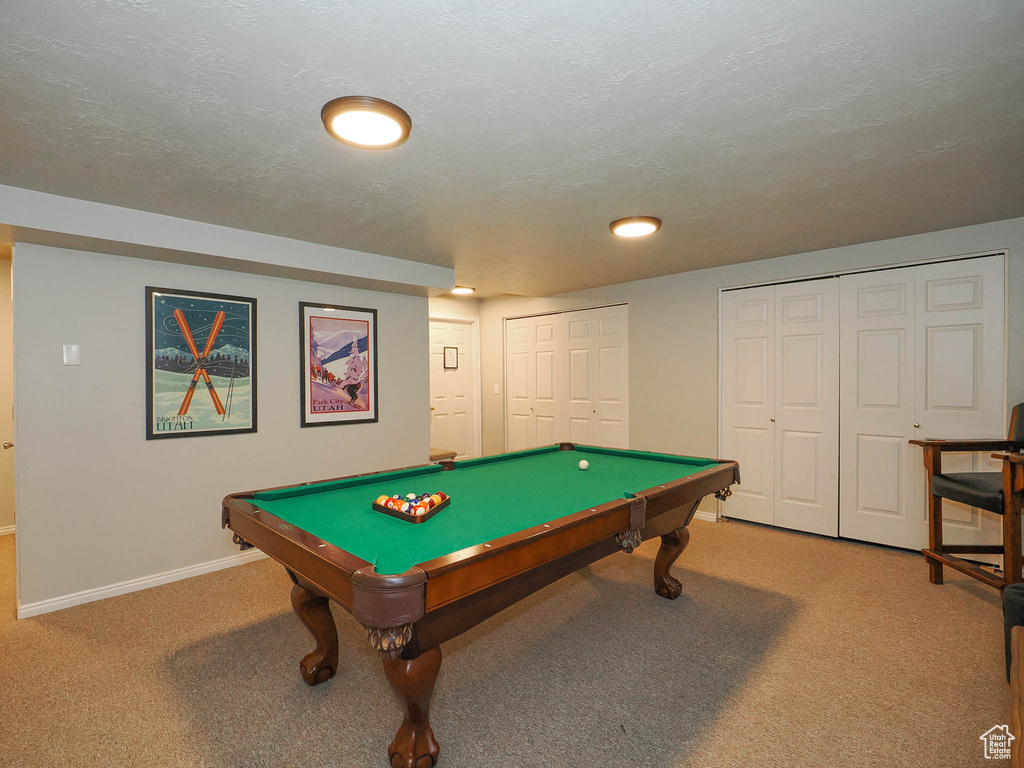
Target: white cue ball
584,465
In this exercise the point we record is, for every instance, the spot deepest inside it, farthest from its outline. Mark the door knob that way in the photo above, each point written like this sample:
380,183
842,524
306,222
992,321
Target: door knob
431,407
8,445
916,425
773,419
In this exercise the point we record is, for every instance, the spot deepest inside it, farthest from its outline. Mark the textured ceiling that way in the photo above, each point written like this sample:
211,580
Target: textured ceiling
753,129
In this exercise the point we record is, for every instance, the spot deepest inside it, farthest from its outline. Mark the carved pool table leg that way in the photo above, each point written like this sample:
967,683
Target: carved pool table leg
412,680
314,611
672,545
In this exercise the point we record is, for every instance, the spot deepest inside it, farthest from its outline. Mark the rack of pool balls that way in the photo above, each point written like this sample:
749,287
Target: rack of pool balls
415,508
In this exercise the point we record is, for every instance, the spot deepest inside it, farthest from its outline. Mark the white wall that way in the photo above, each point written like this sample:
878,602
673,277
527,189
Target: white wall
673,331
450,305
97,503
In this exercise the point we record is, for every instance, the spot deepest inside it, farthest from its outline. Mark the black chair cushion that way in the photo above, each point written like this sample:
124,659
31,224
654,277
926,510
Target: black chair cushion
1013,616
977,489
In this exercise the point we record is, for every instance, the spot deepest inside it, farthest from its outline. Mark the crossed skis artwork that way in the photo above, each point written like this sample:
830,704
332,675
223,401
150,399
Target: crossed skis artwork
201,362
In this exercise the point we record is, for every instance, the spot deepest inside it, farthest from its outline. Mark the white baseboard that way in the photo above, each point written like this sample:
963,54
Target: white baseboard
706,514
7,530
89,595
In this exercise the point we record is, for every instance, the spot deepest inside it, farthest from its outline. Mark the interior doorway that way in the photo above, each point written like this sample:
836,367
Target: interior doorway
455,385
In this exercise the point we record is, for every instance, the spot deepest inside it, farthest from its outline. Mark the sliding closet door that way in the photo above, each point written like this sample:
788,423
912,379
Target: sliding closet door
807,406
877,397
748,399
960,378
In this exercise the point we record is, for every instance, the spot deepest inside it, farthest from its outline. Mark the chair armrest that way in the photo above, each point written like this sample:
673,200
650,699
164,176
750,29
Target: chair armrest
1013,458
966,445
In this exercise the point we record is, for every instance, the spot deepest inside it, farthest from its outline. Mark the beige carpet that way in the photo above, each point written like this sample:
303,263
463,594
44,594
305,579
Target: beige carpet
784,650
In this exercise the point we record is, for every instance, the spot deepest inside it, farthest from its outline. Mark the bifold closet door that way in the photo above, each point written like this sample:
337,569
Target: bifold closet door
780,405
877,410
748,399
922,356
567,378
960,381
807,406
533,347
598,376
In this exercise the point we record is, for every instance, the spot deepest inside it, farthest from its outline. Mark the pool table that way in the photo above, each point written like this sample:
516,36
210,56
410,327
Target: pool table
516,523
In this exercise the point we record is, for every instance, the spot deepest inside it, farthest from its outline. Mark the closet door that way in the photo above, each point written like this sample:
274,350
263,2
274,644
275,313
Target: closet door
960,379
877,408
533,347
807,406
598,376
567,378
922,356
748,397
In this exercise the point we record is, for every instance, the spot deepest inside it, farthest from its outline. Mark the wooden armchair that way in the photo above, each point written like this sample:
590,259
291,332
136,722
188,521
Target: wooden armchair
997,492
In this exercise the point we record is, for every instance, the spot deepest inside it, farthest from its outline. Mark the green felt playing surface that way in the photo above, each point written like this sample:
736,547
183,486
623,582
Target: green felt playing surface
491,497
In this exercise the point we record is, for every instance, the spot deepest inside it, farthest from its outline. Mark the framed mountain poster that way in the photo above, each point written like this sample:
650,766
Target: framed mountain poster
200,364
337,364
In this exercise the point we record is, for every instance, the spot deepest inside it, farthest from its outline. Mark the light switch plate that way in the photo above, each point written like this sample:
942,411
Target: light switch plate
72,355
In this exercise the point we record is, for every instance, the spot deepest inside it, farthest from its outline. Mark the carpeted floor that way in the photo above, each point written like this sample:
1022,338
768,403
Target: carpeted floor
784,650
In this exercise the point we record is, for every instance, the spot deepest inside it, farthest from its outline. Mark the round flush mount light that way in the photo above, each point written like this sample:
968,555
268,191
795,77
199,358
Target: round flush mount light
462,290
366,122
635,226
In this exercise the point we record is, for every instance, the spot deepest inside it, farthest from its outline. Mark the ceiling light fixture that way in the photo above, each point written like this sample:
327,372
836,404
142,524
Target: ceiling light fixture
366,122
635,226
462,290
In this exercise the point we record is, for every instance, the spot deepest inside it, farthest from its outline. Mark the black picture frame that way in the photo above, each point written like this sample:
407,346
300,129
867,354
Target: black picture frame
173,371
338,381
453,352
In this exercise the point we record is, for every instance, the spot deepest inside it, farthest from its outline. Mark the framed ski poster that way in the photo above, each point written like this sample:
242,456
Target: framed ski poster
337,364
200,364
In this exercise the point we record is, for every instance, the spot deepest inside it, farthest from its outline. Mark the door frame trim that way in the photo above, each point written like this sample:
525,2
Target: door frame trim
474,332
860,270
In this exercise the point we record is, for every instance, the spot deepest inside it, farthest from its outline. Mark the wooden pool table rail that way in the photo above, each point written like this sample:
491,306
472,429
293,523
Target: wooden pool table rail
383,601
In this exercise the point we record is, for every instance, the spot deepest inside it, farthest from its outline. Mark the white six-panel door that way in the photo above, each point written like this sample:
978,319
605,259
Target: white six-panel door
922,356
780,403
532,388
877,463
567,378
748,399
453,394
807,406
960,380
598,373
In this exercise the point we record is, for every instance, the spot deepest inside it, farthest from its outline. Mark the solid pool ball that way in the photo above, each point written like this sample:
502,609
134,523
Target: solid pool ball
584,464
